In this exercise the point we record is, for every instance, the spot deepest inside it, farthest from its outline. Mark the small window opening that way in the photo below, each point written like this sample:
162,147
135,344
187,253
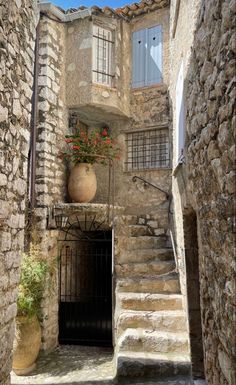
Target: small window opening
147,149
103,45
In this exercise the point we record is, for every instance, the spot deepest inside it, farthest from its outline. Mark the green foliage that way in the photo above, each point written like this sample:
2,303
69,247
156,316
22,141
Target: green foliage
32,281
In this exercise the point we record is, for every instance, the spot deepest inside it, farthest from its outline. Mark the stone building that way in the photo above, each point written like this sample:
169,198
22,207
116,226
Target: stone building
17,41
202,94
147,266
95,70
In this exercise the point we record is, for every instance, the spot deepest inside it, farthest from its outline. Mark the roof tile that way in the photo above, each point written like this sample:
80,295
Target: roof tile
129,10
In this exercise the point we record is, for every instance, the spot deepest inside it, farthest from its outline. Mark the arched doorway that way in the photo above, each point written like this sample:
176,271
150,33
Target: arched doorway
85,283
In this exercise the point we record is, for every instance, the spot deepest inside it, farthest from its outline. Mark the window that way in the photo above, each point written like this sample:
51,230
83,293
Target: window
147,149
180,119
102,56
147,57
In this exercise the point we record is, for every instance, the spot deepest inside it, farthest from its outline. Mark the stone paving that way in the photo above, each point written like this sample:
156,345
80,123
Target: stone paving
78,365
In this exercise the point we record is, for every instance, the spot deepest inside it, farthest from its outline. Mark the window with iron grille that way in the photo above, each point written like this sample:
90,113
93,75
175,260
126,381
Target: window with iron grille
102,56
147,149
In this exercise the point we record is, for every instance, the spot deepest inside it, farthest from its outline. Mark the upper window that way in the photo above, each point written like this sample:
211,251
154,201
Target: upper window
147,57
102,55
147,149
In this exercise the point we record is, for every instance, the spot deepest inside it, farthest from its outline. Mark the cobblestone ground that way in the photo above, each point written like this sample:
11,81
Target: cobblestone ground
76,365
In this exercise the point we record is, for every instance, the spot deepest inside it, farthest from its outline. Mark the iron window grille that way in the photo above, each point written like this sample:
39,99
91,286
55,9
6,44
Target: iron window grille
147,149
102,56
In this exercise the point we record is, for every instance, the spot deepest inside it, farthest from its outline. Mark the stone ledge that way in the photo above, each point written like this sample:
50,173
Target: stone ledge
103,212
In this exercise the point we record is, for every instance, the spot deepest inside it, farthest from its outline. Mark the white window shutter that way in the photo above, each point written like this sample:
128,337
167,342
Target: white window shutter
180,119
139,58
154,55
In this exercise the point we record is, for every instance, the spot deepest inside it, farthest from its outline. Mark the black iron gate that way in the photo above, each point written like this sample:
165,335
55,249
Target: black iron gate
85,309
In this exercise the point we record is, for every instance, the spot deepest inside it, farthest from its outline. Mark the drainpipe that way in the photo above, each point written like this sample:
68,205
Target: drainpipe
34,121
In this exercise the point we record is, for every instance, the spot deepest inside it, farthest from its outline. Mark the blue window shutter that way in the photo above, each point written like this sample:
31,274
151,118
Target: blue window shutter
139,58
154,55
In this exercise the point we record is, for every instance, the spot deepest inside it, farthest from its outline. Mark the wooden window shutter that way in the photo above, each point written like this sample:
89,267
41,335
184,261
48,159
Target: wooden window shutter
139,58
154,55
147,57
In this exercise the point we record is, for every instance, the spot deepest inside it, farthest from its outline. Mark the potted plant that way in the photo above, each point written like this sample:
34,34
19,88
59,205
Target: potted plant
85,148
28,331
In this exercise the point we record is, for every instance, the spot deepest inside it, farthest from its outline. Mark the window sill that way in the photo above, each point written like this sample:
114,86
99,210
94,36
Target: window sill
104,86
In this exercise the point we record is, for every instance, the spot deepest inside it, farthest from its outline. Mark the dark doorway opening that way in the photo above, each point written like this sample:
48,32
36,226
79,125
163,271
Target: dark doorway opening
85,307
193,293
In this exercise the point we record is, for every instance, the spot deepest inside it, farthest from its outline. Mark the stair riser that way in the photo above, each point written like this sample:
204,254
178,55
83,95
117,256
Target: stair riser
137,231
151,344
129,220
143,368
151,305
154,286
149,256
139,243
165,323
134,231
143,270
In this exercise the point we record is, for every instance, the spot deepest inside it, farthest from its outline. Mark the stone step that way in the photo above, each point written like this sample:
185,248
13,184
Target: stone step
144,242
145,255
139,230
129,219
149,302
135,231
160,284
168,320
140,340
142,364
143,269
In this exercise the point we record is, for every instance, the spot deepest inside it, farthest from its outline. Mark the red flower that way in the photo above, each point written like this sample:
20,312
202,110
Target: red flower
104,132
76,147
68,140
108,141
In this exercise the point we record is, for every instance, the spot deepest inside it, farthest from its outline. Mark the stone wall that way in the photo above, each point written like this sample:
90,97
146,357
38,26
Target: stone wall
53,121
210,160
206,182
17,37
50,169
182,27
183,18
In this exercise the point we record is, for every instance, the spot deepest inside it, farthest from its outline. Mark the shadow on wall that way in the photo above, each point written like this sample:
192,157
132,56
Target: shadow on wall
193,293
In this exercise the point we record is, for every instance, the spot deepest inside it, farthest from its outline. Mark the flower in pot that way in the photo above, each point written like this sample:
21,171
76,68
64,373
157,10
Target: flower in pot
85,148
28,331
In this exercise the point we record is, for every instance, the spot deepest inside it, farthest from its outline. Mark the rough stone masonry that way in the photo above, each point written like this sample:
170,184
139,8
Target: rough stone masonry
17,40
209,175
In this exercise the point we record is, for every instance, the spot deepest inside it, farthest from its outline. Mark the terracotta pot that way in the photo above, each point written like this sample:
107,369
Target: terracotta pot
82,185
26,345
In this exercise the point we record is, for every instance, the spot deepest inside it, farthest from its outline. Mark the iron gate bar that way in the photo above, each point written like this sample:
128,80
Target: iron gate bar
86,289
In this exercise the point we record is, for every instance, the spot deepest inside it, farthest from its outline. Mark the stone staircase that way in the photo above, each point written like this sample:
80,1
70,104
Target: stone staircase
151,326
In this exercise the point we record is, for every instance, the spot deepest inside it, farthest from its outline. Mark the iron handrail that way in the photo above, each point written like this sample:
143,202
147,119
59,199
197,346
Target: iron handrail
146,183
